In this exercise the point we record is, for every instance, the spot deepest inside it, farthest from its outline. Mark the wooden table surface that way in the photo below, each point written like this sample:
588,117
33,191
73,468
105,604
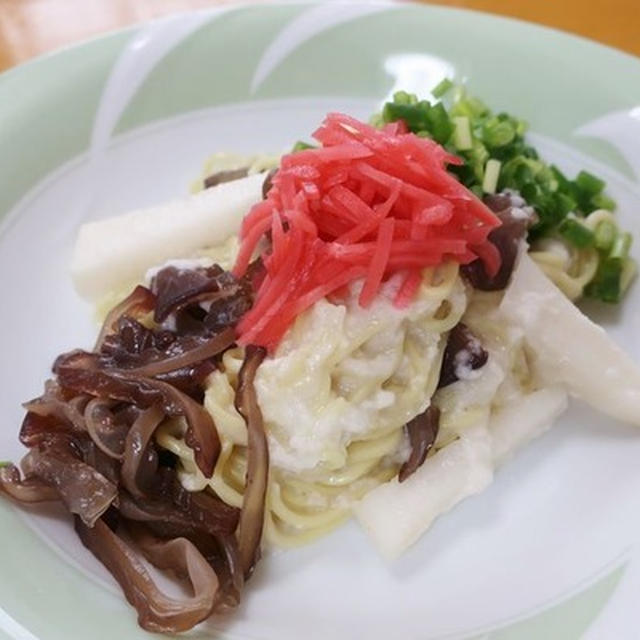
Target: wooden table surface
32,27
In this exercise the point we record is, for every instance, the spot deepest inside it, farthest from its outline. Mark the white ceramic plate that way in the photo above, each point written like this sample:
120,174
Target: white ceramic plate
550,550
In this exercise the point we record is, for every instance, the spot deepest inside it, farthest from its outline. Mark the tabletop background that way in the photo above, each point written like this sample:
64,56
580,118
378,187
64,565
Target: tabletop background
32,27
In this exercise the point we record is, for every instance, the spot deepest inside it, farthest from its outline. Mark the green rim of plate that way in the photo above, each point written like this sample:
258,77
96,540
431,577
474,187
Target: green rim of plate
47,111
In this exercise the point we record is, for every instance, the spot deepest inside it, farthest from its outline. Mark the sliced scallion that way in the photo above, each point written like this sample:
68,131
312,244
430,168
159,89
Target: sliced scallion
439,123
415,115
496,156
621,246
574,232
498,133
602,201
604,235
462,139
491,175
441,88
402,97
606,285
588,183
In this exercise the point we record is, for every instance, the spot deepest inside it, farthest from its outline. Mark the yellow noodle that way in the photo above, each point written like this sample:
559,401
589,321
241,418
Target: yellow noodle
303,506
569,268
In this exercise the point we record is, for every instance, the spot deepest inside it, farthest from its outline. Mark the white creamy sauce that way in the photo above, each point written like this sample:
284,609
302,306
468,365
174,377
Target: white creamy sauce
462,365
519,213
380,400
323,387
514,195
520,209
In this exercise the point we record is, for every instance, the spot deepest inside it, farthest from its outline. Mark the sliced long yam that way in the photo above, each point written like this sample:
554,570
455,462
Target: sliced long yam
396,514
116,251
570,349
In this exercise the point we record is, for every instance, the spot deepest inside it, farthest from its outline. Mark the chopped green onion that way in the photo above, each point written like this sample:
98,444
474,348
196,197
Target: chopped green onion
4,463
491,175
415,115
606,284
496,133
496,156
602,201
521,128
441,88
469,106
562,180
621,246
462,139
615,272
605,233
439,123
574,232
301,146
566,204
588,183
402,97
529,191
477,158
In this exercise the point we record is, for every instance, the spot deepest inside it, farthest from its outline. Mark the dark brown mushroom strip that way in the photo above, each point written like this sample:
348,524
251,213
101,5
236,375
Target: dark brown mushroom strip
507,238
498,202
80,371
58,463
55,409
182,360
190,380
29,490
134,345
203,351
130,340
35,427
205,509
105,465
226,312
198,512
140,462
139,302
253,505
156,610
422,432
463,350
201,435
201,518
104,431
225,176
90,440
227,565
221,552
177,288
